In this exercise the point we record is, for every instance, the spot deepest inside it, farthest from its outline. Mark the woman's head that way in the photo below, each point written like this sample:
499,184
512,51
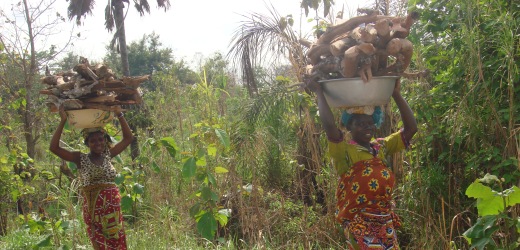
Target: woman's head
375,112
362,126
96,139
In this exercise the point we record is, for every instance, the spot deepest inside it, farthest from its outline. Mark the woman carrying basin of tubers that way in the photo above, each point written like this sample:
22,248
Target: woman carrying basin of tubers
364,193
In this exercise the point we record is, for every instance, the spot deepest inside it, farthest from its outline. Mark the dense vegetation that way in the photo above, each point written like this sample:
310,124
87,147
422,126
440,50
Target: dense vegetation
229,165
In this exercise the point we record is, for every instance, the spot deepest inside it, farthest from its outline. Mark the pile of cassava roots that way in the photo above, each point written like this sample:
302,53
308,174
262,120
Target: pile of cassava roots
363,46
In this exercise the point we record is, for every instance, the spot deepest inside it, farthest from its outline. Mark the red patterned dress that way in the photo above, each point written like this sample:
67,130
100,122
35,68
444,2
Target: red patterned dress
102,204
364,193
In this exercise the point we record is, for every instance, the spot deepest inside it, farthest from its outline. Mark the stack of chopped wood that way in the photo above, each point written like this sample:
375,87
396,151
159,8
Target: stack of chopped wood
363,46
91,87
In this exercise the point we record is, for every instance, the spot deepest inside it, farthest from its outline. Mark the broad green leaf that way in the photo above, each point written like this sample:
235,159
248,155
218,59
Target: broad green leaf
189,168
212,150
513,196
119,179
201,162
479,235
170,145
223,136
482,232
126,203
208,195
490,202
222,219
138,188
490,206
195,210
45,242
207,226
478,190
15,193
220,170
211,179
72,166
481,243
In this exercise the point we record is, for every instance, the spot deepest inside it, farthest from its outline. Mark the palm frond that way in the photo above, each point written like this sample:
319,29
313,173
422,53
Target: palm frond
165,4
79,8
260,35
271,103
109,17
142,6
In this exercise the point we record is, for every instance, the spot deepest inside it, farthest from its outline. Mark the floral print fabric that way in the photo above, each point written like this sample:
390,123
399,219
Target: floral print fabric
364,193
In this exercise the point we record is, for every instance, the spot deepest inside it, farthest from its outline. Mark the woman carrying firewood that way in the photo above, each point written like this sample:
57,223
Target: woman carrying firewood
101,198
364,193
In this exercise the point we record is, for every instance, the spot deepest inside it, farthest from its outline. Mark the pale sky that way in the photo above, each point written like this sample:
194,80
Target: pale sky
189,27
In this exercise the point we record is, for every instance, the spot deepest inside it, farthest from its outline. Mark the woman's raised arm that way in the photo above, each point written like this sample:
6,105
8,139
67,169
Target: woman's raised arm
55,142
128,137
326,116
409,123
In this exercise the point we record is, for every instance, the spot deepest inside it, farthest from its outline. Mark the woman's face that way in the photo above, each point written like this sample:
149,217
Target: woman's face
96,142
362,128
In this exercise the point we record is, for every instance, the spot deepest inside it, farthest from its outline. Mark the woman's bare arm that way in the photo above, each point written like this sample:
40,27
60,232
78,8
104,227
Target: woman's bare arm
409,123
326,116
128,137
55,142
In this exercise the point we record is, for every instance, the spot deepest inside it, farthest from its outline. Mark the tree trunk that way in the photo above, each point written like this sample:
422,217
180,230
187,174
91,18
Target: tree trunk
28,116
3,222
121,36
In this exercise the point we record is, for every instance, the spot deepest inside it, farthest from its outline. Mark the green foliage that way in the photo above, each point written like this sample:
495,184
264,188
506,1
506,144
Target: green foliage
315,4
131,188
493,217
12,186
489,201
207,143
67,63
202,165
131,181
51,230
214,71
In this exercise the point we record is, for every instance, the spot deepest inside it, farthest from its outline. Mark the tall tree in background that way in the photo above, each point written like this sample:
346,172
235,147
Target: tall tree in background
146,56
23,57
25,32
114,16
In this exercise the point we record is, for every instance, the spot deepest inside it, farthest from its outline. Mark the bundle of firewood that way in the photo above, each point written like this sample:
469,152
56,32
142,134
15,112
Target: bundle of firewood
363,46
91,87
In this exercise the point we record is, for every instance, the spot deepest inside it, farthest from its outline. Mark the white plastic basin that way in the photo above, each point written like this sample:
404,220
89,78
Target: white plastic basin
353,92
89,118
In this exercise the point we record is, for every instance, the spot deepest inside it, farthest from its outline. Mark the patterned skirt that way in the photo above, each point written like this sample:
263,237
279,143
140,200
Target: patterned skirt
103,217
364,206
372,231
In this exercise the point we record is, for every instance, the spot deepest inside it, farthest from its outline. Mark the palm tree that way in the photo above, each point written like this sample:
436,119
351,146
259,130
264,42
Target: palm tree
114,16
253,41
255,35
